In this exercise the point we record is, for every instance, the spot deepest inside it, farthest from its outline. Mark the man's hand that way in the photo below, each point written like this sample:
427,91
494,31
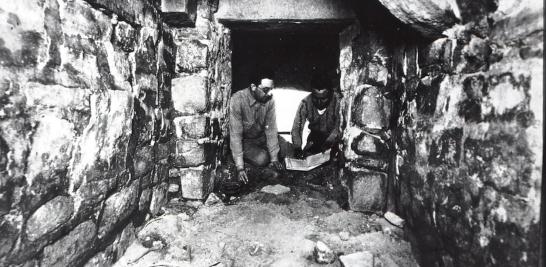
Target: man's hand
241,174
275,165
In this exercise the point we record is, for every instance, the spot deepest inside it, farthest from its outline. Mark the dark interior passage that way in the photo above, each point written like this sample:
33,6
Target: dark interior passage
291,57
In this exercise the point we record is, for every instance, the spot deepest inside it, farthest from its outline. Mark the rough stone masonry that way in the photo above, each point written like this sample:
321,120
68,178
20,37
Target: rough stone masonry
104,104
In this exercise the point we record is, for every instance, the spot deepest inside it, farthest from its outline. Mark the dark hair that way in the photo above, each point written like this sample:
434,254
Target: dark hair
262,73
321,81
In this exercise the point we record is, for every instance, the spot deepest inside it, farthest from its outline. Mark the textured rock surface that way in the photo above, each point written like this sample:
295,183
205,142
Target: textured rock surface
430,17
49,217
470,155
195,182
189,94
367,190
283,10
191,126
117,208
361,259
68,250
159,198
77,97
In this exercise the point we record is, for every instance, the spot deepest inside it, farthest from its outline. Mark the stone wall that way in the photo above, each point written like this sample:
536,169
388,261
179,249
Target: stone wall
83,120
367,106
447,131
469,136
201,87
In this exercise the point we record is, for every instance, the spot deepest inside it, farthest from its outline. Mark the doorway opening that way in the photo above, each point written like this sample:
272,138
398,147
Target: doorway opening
290,54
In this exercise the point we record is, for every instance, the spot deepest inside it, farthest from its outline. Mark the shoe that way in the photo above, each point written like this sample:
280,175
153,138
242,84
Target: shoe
231,187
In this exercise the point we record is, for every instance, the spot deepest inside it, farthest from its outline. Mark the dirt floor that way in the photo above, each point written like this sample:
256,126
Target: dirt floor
264,229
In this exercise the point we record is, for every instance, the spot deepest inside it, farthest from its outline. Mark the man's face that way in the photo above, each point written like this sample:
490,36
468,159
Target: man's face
262,92
321,97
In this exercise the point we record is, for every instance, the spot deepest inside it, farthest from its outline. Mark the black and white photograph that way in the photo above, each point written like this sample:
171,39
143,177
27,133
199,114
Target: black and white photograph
271,133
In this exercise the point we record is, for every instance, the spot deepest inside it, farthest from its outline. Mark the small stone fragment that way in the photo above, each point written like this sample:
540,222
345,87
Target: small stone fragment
359,259
212,200
344,235
394,219
174,188
323,254
256,249
275,189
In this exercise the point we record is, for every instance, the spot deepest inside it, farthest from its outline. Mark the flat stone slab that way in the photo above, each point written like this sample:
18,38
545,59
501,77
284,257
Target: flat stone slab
301,10
394,219
275,189
359,259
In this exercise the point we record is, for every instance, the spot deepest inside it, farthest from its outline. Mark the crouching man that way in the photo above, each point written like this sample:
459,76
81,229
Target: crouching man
253,130
321,110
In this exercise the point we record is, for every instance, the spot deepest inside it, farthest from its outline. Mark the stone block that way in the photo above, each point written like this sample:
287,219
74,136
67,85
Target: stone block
11,228
196,182
159,198
189,94
475,56
367,190
371,163
119,68
122,242
138,12
56,96
105,139
189,153
146,181
359,259
49,217
163,151
438,52
191,55
370,109
102,258
93,192
143,161
298,10
69,249
429,17
447,149
365,144
125,36
161,174
145,199
376,73
191,126
117,208
179,12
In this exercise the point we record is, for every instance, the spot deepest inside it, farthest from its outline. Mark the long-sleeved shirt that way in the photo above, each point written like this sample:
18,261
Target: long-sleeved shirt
251,119
326,124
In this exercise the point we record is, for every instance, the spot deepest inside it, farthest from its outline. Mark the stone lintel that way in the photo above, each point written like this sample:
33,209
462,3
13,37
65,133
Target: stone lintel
297,10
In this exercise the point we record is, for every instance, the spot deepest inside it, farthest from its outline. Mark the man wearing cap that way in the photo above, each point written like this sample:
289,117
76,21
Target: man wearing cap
321,110
253,129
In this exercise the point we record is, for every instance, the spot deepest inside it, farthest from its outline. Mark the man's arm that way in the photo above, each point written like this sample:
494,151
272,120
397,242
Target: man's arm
236,132
299,123
335,134
271,132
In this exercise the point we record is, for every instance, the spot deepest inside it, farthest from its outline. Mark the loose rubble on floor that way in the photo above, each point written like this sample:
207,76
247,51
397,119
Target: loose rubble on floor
275,226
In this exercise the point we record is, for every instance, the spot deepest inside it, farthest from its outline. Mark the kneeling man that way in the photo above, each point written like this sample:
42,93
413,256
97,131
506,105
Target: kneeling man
321,110
253,129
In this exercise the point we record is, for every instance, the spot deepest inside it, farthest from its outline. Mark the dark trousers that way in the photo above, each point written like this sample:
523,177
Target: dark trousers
255,151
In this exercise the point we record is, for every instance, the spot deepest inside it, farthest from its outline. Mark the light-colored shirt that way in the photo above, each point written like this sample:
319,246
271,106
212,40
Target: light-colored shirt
251,119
